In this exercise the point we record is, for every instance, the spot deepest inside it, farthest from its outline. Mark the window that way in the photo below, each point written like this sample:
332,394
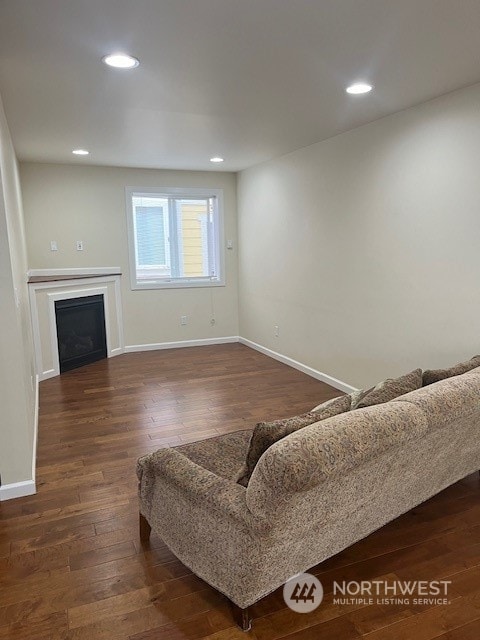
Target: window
175,237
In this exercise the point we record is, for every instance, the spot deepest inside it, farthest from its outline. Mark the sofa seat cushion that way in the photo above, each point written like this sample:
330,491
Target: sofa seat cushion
435,375
387,390
267,433
222,455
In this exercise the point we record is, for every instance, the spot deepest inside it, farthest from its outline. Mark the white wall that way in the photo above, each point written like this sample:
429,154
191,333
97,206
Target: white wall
364,248
17,390
74,202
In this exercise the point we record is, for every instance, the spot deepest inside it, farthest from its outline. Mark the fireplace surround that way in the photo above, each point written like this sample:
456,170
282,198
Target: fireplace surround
49,287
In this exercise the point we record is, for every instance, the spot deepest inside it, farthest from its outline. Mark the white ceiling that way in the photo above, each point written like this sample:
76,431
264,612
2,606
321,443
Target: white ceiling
244,79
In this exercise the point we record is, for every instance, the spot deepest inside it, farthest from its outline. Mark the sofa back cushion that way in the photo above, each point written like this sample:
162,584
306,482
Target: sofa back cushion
435,375
448,400
265,434
318,452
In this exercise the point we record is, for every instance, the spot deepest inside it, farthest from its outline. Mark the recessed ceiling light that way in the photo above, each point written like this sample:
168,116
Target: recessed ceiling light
121,61
216,159
80,152
358,88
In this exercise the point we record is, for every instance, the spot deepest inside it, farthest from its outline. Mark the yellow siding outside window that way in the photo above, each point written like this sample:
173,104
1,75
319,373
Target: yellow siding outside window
192,239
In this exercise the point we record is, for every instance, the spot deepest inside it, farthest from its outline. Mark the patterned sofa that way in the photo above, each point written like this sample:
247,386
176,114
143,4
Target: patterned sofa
312,493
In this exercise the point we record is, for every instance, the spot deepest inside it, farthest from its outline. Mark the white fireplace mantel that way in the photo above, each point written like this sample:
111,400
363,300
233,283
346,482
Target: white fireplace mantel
46,286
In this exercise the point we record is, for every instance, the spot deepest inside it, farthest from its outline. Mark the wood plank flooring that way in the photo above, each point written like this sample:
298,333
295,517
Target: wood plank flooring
71,564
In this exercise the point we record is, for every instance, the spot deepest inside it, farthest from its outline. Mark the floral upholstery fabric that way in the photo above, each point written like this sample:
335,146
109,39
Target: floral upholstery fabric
313,493
219,455
390,389
435,375
333,407
447,400
315,453
267,433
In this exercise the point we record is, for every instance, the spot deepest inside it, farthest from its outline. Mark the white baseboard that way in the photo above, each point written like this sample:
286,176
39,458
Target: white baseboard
133,348
318,375
156,346
309,371
26,487
51,373
17,490
45,375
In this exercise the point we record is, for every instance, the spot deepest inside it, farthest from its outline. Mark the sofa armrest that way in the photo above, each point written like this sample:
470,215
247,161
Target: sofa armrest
195,484
204,520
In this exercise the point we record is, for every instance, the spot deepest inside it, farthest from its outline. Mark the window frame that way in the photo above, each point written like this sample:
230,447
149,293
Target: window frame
176,282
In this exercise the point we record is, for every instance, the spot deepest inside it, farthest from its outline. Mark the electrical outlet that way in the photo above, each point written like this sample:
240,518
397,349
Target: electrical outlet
212,321
53,245
276,331
183,320
79,245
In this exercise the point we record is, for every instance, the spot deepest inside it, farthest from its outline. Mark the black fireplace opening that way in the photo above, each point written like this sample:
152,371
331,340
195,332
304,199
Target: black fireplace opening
80,331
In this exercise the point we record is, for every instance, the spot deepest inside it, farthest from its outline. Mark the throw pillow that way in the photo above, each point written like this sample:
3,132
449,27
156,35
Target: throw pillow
332,407
434,375
267,433
391,388
357,396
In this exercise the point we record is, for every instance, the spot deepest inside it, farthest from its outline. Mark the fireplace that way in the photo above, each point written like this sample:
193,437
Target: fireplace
81,332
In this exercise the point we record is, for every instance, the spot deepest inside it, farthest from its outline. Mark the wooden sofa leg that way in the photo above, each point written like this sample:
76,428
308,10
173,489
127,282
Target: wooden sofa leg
242,617
145,528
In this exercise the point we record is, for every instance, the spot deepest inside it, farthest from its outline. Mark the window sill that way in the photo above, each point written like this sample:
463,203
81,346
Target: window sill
139,286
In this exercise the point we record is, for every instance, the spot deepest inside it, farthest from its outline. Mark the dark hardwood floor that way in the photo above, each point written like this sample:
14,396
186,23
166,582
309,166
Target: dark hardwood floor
72,566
